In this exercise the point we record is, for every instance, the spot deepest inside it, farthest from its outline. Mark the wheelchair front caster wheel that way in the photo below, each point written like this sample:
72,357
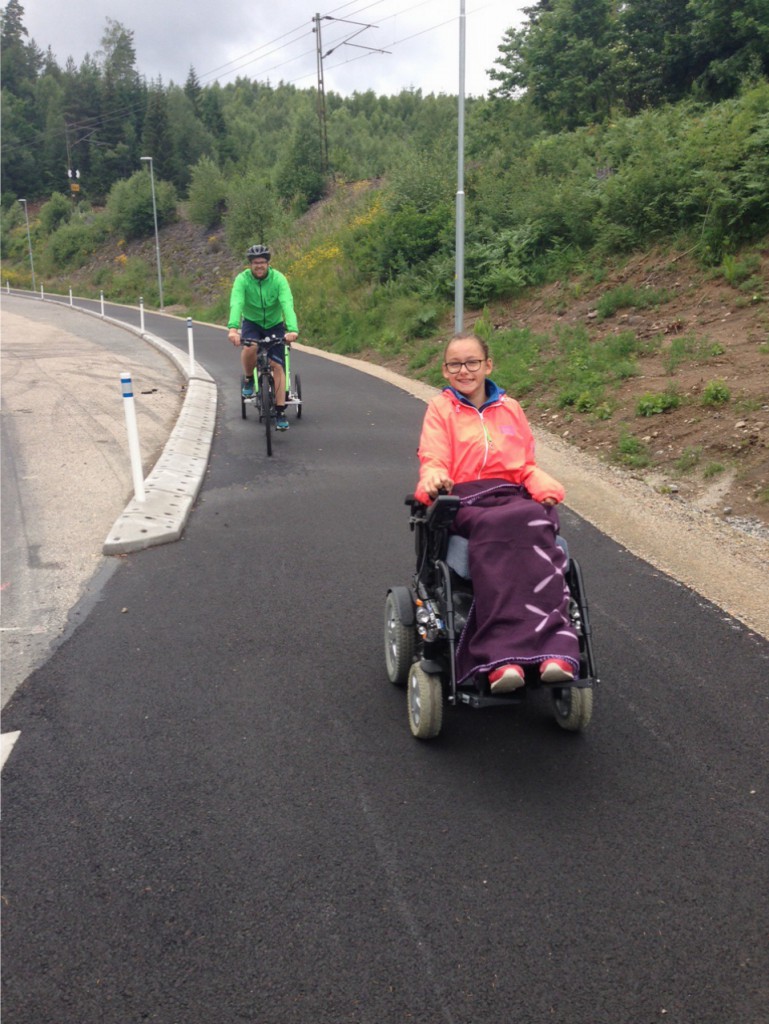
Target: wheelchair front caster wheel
572,707
425,703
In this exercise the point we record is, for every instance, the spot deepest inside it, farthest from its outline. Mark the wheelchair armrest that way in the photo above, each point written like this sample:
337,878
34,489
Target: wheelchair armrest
443,511
439,515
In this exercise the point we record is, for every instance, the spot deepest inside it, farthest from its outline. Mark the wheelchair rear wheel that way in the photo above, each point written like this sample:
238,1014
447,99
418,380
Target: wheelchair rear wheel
400,643
425,703
573,707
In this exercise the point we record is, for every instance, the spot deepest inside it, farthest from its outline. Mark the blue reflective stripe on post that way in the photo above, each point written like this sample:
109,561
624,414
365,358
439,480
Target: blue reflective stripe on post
125,383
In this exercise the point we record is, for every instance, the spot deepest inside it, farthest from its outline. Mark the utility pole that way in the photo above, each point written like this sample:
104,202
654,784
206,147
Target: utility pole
321,85
321,100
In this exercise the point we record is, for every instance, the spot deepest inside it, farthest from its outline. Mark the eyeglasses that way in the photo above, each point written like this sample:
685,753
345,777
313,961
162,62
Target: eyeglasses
471,365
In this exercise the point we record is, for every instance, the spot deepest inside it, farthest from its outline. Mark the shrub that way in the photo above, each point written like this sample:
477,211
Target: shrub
630,451
688,459
628,297
653,404
715,393
736,271
129,205
207,193
74,242
688,348
253,211
54,213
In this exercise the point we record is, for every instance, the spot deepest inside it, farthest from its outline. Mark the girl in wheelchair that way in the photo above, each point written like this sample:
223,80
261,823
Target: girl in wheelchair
477,444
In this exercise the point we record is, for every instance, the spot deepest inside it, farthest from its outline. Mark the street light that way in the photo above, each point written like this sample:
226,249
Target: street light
157,237
459,273
29,243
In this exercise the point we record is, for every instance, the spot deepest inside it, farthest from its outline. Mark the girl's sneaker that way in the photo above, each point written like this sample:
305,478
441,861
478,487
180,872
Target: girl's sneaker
506,679
554,670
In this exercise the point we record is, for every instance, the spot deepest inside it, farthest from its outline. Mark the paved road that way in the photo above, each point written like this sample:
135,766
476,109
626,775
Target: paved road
215,812
66,473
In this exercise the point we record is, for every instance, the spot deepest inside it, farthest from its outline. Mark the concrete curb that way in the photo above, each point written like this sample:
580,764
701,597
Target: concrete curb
173,485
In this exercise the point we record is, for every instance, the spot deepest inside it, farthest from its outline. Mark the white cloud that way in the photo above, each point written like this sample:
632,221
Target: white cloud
277,42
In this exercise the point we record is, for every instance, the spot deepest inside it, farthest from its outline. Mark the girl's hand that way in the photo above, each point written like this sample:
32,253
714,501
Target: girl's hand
436,480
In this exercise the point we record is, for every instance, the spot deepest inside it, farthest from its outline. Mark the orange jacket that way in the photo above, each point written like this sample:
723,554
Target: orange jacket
493,442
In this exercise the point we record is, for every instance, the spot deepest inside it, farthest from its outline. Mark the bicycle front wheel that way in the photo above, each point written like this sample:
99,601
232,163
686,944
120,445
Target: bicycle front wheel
265,393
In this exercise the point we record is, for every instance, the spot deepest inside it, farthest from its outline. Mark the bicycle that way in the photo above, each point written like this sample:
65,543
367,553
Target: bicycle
264,388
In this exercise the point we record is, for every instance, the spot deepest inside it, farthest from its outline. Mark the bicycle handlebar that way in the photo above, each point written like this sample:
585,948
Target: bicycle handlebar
270,339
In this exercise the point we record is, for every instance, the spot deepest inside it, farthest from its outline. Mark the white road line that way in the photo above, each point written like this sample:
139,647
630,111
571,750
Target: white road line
7,740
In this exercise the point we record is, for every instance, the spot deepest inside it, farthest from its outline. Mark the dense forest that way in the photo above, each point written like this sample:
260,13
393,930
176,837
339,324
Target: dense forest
612,125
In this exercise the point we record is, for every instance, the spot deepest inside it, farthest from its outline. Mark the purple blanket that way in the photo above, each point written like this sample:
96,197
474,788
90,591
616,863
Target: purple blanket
520,609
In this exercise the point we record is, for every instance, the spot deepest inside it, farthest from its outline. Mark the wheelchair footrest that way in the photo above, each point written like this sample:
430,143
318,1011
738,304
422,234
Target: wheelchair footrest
578,684
474,699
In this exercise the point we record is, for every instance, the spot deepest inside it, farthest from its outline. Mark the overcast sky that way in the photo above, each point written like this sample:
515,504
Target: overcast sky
273,40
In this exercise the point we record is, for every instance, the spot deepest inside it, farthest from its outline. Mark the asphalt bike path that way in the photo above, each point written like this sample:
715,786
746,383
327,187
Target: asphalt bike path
215,810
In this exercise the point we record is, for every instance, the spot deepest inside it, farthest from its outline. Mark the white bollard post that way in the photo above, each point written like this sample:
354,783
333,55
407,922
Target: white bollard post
102,302
41,293
190,345
70,296
8,287
141,312
133,436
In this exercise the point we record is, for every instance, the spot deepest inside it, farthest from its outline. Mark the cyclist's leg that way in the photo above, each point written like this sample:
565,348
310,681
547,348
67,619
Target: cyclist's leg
277,359
249,331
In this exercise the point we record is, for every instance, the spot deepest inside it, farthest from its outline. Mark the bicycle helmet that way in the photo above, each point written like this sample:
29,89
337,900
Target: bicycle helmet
260,251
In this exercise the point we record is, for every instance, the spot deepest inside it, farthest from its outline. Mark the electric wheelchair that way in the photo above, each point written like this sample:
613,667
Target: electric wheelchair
424,621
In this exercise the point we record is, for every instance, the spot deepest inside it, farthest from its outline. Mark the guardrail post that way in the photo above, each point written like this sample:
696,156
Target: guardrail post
190,345
133,436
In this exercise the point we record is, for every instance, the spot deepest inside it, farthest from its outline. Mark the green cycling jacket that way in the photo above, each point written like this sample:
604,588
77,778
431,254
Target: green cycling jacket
268,302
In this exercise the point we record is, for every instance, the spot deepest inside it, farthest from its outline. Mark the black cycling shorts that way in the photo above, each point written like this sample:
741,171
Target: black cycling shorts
249,331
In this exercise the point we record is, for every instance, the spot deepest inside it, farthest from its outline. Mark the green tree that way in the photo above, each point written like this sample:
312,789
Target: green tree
299,175
52,152
17,155
208,193
731,43
129,205
82,119
252,211
188,137
123,100
192,89
156,141
21,60
570,60
661,62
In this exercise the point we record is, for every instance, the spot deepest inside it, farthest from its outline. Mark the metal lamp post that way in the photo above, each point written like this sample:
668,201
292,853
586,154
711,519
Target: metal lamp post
157,236
29,242
459,273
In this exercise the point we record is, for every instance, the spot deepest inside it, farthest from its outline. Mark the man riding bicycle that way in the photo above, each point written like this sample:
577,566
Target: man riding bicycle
261,305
